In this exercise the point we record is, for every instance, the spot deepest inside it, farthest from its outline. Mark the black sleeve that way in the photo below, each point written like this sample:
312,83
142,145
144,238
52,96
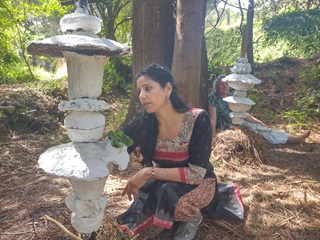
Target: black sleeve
200,142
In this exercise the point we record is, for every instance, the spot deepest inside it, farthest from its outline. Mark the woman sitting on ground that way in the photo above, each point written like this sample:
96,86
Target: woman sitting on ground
219,112
178,181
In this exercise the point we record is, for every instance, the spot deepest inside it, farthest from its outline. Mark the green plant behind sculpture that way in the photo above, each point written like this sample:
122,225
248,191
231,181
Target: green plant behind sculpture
119,139
118,73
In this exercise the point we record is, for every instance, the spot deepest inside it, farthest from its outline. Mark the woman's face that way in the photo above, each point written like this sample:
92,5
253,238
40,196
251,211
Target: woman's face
222,87
151,95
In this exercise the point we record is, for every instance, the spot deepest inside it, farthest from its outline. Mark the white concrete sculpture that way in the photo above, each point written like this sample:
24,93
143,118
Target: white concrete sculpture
241,81
86,161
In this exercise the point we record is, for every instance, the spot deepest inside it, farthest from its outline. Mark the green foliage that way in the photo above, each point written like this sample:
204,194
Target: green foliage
307,108
266,9
119,139
21,22
216,163
115,117
118,74
223,47
50,86
252,94
116,16
123,23
259,110
15,73
299,30
311,75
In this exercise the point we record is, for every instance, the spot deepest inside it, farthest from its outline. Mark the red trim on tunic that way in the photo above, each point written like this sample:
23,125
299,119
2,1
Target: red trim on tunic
173,156
141,227
144,225
184,175
162,223
238,195
124,228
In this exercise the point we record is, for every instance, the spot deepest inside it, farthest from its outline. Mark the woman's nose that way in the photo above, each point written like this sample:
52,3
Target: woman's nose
142,95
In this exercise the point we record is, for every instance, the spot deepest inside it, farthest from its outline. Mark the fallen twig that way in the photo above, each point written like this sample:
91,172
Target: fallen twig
16,233
62,227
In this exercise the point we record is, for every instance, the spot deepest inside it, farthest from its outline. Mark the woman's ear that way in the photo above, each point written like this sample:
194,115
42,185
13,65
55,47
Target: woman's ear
168,88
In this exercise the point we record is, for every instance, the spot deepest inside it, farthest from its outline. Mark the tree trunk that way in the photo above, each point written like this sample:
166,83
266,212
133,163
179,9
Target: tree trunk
152,40
186,63
204,65
228,16
250,15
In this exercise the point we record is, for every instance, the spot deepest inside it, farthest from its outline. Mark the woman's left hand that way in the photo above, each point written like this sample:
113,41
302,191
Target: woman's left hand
136,182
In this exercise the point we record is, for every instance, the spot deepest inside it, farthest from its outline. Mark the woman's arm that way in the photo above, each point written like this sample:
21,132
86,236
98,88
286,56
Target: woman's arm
145,174
213,119
252,119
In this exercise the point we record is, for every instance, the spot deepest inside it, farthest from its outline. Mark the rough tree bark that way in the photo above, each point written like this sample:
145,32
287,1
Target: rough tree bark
204,65
186,63
152,40
250,15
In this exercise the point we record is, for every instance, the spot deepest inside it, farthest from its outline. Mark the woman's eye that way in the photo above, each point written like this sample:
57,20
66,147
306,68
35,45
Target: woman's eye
148,89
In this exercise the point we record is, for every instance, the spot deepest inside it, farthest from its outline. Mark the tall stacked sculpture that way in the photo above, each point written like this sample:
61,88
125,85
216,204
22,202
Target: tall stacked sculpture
86,161
241,81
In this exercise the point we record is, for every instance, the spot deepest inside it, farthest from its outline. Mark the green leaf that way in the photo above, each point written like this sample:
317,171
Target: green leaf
127,140
119,139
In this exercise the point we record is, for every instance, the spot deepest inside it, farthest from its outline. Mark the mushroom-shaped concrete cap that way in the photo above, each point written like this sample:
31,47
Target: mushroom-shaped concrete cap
241,81
84,161
88,44
245,78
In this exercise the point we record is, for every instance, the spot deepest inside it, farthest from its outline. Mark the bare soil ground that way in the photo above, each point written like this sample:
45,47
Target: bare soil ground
279,183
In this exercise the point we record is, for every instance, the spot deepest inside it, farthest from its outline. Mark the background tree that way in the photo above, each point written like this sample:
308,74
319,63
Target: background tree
176,43
115,15
250,17
187,56
152,40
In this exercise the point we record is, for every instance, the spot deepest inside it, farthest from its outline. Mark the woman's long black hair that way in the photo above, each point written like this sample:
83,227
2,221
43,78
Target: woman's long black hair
146,124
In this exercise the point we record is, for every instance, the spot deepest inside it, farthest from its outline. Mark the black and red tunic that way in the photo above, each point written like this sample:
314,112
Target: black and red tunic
160,203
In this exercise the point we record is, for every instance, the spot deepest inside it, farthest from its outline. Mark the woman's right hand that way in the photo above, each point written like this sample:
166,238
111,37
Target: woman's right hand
136,182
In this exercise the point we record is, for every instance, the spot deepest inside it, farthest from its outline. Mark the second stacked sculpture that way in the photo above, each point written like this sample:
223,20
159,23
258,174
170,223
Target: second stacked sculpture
241,80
